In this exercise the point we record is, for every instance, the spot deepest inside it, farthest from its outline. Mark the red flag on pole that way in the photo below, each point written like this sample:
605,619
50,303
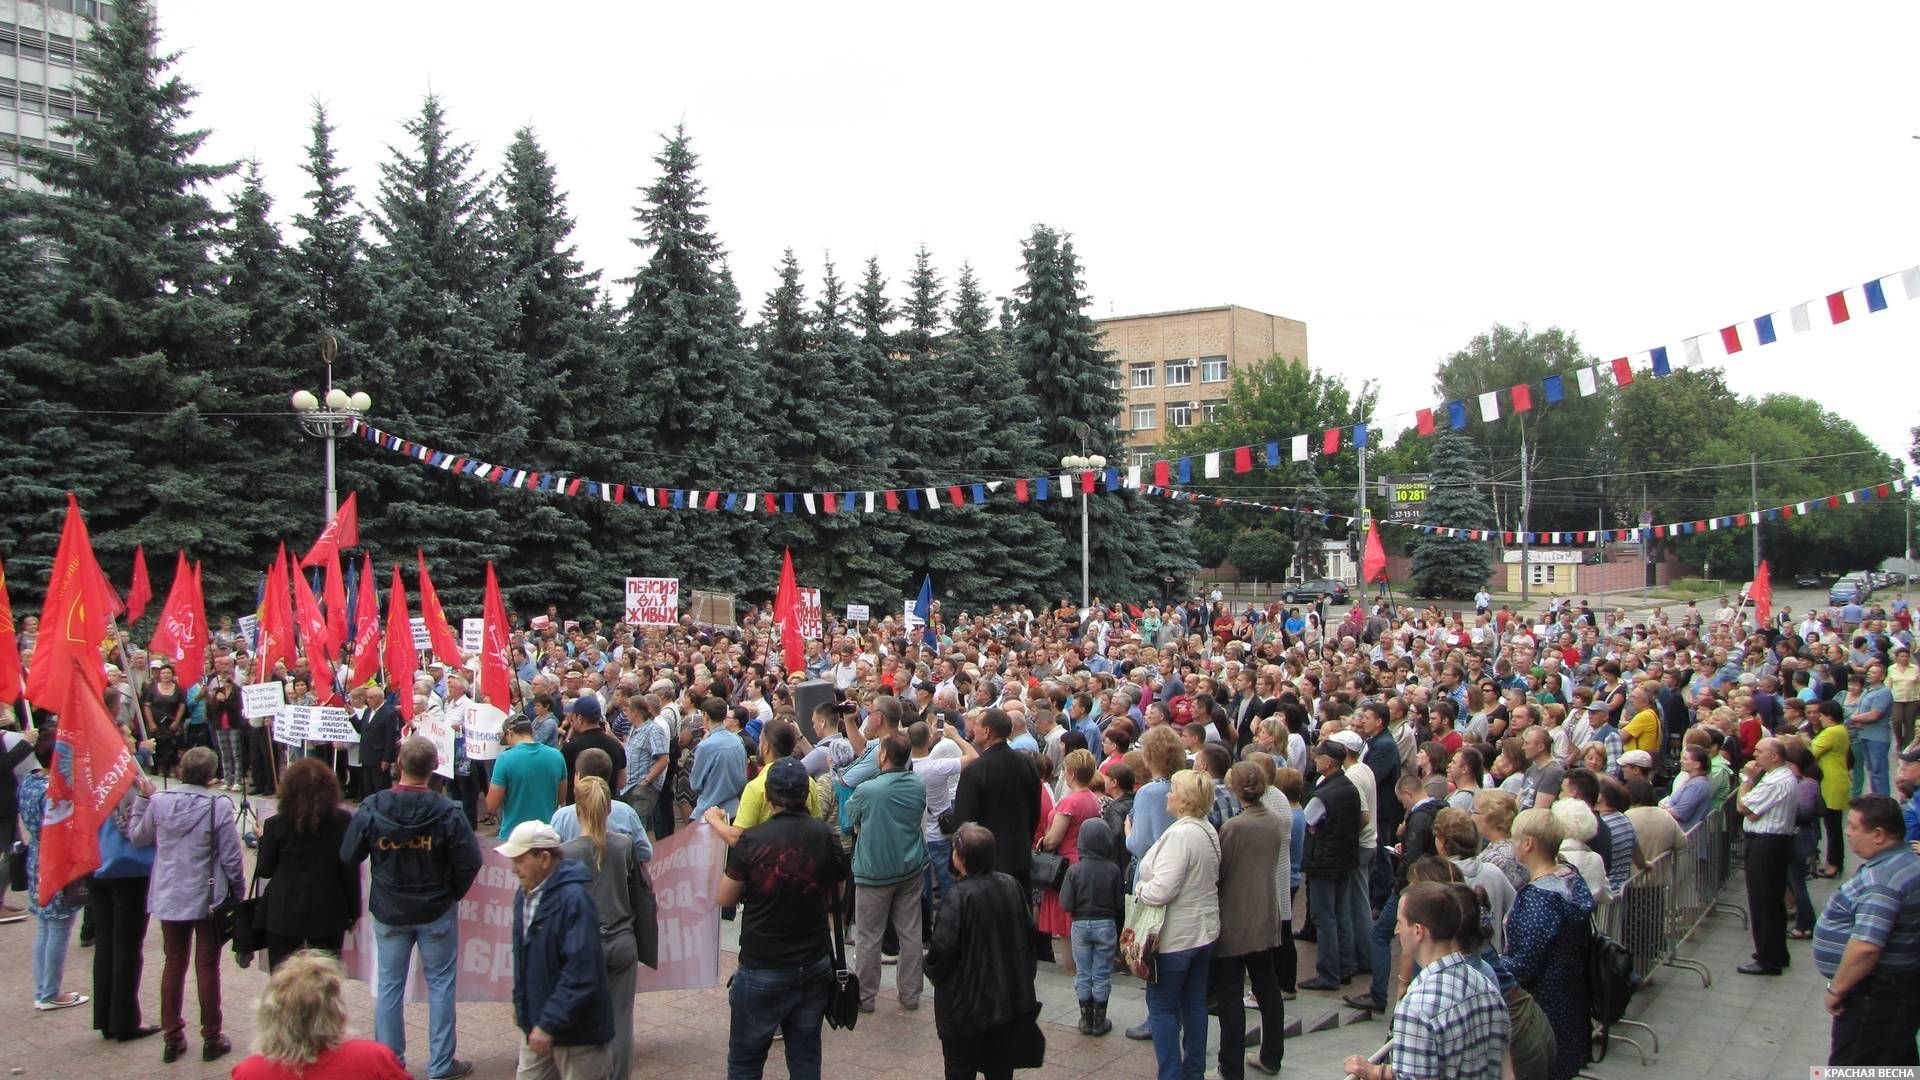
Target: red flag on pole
11,675
446,647
74,618
141,592
496,670
92,771
786,604
335,598
175,629
193,659
313,635
342,532
402,661
366,635
1373,566
1762,594
276,621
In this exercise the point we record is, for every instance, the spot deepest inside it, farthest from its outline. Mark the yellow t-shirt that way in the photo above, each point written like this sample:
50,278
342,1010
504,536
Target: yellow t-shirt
1642,732
754,808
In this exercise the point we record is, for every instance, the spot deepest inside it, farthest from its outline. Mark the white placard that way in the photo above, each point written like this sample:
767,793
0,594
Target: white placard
472,633
1544,556
432,725
808,615
421,641
653,601
250,629
484,724
258,701
330,724
290,727
912,621
856,613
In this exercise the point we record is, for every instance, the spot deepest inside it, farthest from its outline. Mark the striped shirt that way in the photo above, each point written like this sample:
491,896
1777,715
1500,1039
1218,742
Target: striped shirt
1451,1024
1621,836
1880,905
1773,799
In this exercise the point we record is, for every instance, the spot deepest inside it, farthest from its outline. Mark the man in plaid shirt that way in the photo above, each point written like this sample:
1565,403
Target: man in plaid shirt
1452,1024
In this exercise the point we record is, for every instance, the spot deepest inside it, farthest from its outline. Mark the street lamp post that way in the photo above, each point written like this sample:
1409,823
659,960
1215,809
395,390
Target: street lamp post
329,415
1081,462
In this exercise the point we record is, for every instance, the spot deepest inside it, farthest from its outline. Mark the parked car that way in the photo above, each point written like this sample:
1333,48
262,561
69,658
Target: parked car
1308,592
1848,590
1809,581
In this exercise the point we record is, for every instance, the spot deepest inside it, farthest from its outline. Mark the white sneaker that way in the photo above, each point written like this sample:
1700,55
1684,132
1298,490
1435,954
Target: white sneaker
65,1001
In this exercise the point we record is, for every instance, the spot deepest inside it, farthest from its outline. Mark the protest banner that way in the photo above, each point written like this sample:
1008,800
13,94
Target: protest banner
856,613
808,616
542,622
913,622
653,601
330,724
290,727
421,641
686,874
258,701
434,726
250,629
472,632
484,724
712,609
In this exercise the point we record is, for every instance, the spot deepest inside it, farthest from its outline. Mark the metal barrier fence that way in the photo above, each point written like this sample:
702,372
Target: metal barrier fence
1661,906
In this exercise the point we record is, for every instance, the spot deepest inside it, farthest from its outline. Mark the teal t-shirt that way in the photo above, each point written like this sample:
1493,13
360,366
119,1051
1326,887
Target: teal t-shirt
531,773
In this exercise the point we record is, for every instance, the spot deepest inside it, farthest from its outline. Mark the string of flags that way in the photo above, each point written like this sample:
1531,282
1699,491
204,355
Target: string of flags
1489,406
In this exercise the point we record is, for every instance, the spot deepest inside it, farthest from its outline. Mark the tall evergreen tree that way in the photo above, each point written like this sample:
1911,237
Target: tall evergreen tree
901,391
575,391
330,257
121,382
687,354
1135,544
432,361
934,418
1449,566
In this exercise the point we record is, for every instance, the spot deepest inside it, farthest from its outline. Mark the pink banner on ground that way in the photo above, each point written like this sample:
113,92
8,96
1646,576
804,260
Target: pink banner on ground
686,870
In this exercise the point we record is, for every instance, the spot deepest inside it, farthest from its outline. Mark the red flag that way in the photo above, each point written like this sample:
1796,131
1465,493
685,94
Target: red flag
1134,610
176,629
276,621
446,647
496,671
93,770
1242,459
366,635
1522,398
1622,372
141,592
335,596
786,605
313,634
402,661
1424,421
1373,566
1762,594
74,618
342,532
1330,444
193,659
10,673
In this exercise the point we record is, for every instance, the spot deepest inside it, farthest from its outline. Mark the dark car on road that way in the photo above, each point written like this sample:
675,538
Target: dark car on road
1309,592
1809,581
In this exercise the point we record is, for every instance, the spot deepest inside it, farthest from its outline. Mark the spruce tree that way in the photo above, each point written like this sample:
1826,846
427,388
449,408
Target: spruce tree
330,257
26,313
1069,379
901,391
1446,566
123,379
687,355
935,417
576,392
432,362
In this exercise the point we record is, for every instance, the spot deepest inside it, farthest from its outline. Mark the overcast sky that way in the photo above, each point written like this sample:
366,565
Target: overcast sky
1399,177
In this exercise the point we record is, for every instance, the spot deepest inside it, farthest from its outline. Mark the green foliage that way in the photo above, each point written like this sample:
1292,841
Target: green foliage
1262,554
1446,566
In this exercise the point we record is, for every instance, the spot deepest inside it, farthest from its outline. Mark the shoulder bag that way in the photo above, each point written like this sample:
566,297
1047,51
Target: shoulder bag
1049,870
843,997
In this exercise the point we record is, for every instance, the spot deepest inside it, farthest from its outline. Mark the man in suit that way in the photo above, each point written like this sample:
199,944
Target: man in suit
379,742
1001,791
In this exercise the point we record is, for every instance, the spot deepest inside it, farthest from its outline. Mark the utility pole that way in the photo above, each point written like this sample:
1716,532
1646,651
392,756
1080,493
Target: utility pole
1646,542
1360,524
1753,507
1526,504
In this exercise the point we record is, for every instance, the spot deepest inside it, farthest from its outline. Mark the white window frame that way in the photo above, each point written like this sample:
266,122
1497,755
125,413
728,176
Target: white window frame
1140,459
1151,414
1180,373
1208,409
1540,573
1179,416
1142,377
1209,365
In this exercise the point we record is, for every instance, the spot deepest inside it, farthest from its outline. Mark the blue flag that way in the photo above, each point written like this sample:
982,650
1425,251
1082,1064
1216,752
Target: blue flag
923,610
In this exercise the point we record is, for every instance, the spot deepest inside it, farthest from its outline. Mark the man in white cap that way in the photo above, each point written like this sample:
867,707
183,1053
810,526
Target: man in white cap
561,999
1636,765
1356,907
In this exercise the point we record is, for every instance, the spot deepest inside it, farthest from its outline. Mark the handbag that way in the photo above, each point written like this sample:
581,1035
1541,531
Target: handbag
17,866
248,928
1026,1042
1049,870
843,996
121,857
1140,939
221,914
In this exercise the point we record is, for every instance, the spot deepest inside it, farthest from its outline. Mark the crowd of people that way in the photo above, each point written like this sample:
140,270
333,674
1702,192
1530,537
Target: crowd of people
1098,789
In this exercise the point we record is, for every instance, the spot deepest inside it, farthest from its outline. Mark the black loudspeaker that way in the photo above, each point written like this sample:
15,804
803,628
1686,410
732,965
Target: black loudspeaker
807,697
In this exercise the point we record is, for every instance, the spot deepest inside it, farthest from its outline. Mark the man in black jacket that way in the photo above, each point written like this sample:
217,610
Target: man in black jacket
1001,791
1331,865
424,860
1415,842
379,744
560,995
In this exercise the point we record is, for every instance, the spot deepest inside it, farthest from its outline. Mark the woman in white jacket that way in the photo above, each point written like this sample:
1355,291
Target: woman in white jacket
1578,826
1182,871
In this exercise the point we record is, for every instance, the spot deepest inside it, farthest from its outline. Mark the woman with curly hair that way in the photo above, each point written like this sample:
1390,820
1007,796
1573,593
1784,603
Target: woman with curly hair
312,896
301,1032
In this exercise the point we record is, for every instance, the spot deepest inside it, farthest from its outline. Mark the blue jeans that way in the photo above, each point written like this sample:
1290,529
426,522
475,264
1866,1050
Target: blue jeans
1326,902
1358,909
439,943
792,1001
50,955
1094,942
1380,944
1177,1013
936,880
1870,767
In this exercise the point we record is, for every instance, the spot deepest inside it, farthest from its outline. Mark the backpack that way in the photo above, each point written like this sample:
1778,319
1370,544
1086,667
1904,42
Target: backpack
1610,985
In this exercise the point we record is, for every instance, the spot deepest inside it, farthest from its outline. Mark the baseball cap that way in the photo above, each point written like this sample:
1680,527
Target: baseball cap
1331,749
1910,755
1638,758
519,722
787,782
587,705
1354,744
530,836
